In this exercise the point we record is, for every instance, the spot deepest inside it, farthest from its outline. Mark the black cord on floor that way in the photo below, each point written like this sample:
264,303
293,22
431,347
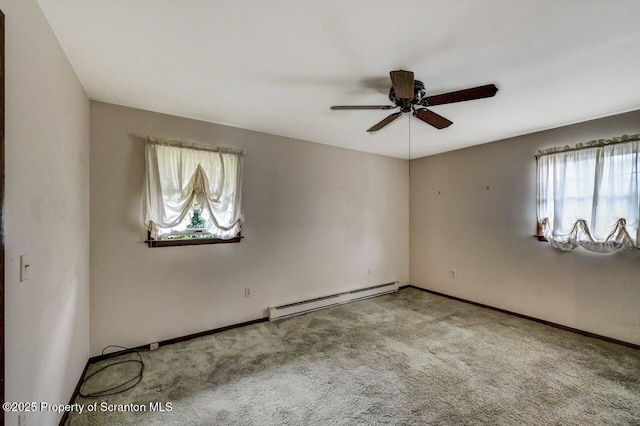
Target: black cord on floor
129,384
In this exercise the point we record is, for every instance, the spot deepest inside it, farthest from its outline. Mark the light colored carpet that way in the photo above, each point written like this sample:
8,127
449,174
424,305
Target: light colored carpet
403,359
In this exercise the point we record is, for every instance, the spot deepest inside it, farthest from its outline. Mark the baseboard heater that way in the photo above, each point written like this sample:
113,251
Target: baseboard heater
297,308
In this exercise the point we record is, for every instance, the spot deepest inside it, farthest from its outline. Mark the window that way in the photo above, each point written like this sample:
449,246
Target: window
192,194
589,197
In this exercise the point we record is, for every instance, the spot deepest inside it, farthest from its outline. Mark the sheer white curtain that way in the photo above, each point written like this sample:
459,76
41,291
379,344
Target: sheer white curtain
589,197
180,178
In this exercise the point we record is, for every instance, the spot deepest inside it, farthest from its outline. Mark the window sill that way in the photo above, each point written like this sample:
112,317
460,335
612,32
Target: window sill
190,242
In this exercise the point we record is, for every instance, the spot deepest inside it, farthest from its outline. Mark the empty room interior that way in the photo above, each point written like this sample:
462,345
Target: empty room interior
289,212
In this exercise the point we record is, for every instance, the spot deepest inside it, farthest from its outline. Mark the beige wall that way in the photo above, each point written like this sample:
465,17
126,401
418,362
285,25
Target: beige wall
486,236
317,218
47,215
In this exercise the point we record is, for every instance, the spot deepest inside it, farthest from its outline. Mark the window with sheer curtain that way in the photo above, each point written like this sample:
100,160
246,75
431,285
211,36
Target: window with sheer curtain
588,196
192,193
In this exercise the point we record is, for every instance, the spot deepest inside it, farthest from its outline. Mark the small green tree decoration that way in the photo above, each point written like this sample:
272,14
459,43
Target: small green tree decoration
197,221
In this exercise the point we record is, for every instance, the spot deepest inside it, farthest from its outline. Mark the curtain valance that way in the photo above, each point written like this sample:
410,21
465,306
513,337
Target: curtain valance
591,144
192,145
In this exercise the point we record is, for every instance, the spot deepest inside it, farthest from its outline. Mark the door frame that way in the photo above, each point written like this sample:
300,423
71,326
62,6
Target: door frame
2,212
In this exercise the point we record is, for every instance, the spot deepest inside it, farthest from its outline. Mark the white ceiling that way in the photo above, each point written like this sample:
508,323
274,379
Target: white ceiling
277,66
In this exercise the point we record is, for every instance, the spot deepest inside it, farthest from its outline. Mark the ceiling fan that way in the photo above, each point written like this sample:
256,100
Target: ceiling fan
407,94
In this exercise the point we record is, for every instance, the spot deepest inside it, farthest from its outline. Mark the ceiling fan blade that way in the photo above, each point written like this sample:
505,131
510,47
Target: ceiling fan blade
430,117
384,122
479,92
402,84
339,107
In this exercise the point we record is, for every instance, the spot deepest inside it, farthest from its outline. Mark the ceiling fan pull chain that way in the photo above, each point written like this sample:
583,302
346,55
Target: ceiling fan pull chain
409,146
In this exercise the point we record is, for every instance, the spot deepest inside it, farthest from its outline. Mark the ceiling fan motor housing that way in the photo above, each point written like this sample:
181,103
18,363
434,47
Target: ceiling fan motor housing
405,104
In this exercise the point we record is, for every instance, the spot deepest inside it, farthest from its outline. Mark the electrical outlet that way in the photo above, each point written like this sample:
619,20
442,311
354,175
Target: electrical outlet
247,292
452,273
369,271
154,346
22,419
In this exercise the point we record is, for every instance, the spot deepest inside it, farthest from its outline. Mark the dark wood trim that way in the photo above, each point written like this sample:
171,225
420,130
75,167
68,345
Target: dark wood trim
209,332
545,322
65,416
179,339
190,242
2,211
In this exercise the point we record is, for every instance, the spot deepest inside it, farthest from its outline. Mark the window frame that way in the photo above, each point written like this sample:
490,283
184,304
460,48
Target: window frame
152,242
592,145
